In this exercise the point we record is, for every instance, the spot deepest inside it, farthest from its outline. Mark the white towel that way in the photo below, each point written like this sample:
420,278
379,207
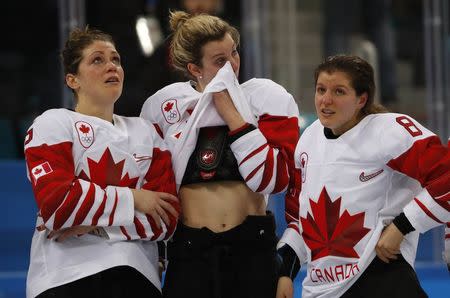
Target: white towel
205,115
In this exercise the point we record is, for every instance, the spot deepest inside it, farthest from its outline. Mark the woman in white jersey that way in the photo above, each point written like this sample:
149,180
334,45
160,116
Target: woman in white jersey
103,184
231,144
371,182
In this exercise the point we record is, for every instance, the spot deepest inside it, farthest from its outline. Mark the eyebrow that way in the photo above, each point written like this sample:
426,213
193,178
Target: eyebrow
234,47
217,55
102,52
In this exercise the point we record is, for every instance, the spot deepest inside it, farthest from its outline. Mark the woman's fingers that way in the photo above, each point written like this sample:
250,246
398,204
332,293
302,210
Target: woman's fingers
163,215
385,255
53,234
167,196
168,207
156,219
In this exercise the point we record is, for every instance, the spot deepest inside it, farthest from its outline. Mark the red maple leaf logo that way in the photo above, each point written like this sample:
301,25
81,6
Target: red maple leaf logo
106,172
328,234
84,129
37,171
168,106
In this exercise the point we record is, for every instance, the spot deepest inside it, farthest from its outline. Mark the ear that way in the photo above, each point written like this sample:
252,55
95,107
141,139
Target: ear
72,81
194,70
362,100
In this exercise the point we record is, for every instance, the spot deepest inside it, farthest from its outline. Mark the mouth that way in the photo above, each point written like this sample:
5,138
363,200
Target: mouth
327,112
112,80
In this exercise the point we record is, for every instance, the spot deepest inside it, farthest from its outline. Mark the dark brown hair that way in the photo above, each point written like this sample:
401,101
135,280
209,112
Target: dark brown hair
361,77
78,40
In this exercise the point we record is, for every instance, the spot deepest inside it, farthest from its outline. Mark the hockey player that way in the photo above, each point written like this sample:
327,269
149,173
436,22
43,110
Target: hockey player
371,182
103,184
231,145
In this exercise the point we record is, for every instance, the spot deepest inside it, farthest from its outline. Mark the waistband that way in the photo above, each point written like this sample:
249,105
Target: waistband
255,232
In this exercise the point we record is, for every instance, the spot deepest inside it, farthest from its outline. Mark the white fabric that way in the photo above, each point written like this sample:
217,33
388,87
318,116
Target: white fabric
130,142
344,167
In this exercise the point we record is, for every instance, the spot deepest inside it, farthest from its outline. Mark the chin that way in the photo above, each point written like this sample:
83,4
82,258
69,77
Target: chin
324,121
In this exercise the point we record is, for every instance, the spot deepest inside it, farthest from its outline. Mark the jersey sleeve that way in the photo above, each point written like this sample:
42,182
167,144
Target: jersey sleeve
159,178
413,150
64,200
265,154
446,253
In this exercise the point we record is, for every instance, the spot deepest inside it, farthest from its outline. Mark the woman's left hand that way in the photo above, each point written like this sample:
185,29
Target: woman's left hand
226,109
285,288
388,246
63,234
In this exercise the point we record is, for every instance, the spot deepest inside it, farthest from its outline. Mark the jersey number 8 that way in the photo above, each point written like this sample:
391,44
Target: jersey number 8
409,125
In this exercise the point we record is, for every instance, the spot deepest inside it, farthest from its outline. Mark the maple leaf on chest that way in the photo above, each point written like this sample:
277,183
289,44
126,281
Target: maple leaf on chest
84,129
106,172
168,106
328,234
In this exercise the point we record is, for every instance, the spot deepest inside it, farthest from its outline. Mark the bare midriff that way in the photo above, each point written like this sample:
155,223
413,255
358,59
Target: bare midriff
219,206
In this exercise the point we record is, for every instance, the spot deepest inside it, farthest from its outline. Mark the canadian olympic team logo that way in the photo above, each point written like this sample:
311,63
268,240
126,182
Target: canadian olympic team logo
170,111
85,133
303,165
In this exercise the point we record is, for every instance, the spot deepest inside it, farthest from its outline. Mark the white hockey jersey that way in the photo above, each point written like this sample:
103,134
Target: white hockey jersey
264,155
81,169
354,185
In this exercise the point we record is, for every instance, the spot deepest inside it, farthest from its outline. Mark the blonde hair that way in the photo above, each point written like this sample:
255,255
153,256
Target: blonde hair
191,33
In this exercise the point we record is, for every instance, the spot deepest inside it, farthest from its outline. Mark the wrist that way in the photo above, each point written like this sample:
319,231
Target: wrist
239,132
403,224
289,262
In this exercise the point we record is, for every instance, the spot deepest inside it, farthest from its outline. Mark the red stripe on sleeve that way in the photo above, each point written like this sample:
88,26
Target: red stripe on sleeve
253,153
139,228
67,207
268,171
124,231
160,177
427,212
282,178
444,201
50,190
428,162
252,173
158,130
113,211
86,205
100,211
294,226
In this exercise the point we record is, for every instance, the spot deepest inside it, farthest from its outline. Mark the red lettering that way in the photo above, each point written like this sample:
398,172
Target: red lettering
348,270
311,275
319,275
339,272
328,274
409,125
334,273
355,266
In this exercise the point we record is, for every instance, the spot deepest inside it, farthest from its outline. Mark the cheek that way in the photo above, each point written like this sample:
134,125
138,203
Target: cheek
317,100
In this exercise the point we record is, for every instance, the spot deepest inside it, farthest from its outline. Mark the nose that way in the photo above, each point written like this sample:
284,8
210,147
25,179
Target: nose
327,98
111,65
235,63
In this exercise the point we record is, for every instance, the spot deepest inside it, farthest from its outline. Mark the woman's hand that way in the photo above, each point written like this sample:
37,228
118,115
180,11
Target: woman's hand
65,233
155,204
226,109
285,288
388,247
